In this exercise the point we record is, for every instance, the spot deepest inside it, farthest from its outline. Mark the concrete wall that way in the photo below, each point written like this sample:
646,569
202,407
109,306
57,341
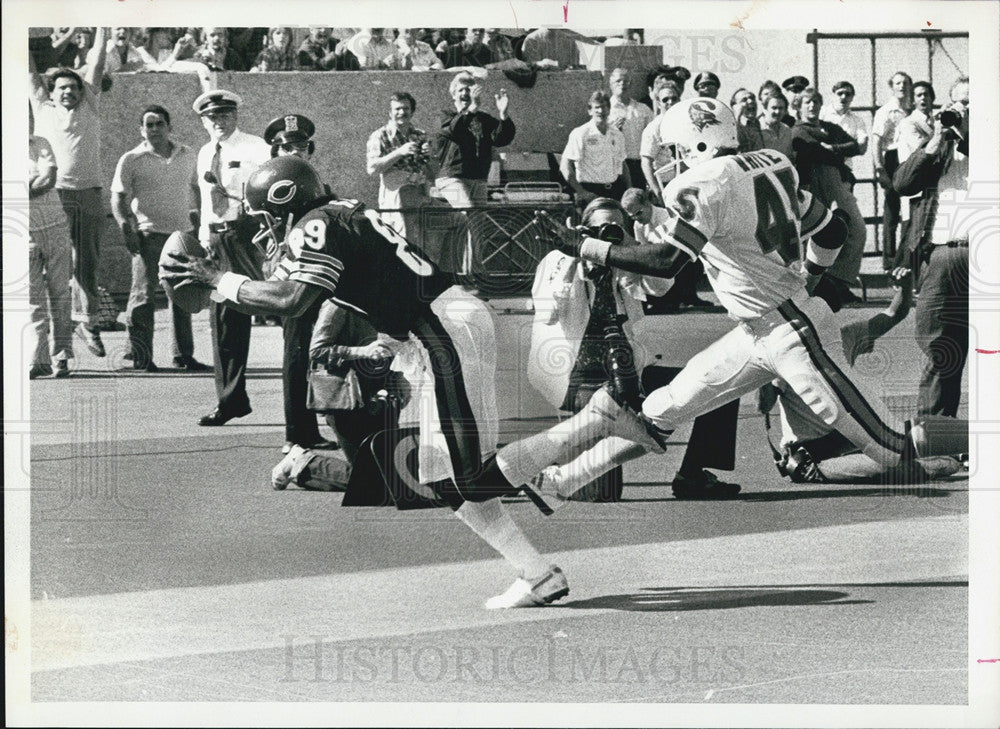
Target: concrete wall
346,108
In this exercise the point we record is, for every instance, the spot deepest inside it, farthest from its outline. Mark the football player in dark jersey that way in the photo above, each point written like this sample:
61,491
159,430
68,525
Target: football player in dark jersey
340,250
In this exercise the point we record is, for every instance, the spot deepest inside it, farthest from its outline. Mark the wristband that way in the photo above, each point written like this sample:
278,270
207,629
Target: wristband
229,285
595,251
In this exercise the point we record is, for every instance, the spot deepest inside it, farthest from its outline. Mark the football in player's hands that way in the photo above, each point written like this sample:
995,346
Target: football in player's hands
182,288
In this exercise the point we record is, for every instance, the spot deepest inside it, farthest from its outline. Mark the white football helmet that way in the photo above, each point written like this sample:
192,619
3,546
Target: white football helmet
699,128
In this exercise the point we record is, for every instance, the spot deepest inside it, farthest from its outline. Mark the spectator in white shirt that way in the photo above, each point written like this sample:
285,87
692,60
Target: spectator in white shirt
885,158
412,54
839,112
630,118
67,115
655,154
593,162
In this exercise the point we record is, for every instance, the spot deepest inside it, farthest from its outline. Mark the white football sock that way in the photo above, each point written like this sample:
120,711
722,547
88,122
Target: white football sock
524,459
490,520
594,463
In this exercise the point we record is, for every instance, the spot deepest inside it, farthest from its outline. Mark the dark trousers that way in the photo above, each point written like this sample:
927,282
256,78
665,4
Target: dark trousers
300,423
615,190
635,172
713,436
890,222
942,329
139,314
230,349
85,215
684,290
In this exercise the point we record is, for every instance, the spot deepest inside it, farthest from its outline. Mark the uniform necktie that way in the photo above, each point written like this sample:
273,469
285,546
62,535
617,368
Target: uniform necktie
220,203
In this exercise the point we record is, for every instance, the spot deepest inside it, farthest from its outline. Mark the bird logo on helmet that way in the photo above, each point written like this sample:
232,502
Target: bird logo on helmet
700,128
278,193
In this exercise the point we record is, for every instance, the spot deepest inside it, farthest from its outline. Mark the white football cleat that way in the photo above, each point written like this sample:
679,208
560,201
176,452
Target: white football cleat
281,474
541,591
625,422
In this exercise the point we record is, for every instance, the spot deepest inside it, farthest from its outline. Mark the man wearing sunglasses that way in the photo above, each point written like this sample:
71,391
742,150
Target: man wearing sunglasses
839,113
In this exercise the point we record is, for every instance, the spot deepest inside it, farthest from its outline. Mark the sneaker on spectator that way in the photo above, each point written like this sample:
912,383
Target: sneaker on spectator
281,475
91,336
190,364
704,487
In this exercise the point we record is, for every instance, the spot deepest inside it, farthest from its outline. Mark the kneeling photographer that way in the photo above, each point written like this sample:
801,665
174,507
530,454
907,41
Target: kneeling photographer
582,334
936,176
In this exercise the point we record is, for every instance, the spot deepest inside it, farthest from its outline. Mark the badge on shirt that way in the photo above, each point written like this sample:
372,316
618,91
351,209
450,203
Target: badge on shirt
234,164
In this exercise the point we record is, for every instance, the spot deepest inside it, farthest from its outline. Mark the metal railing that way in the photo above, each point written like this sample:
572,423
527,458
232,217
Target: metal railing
933,39
493,247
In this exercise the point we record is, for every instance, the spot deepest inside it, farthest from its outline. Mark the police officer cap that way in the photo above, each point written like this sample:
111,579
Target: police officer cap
217,100
795,84
289,129
706,77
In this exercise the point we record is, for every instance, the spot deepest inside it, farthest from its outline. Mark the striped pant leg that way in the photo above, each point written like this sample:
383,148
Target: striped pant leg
461,343
807,353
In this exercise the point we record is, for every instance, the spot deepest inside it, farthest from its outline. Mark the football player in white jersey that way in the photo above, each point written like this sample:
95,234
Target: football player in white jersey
745,218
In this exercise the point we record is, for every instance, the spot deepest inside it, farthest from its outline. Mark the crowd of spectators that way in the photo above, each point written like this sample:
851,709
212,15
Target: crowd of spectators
187,50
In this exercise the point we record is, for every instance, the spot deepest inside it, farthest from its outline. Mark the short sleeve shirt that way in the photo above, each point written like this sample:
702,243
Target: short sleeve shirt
157,186
598,157
75,136
636,117
240,154
408,171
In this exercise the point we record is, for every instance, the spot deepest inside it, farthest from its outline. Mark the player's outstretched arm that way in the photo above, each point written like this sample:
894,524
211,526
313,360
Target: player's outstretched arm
662,259
262,298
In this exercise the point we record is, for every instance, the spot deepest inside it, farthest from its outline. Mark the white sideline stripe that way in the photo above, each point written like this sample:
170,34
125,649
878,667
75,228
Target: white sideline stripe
170,623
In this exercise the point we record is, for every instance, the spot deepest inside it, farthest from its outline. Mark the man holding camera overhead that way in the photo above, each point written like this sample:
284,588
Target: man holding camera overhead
934,169
224,165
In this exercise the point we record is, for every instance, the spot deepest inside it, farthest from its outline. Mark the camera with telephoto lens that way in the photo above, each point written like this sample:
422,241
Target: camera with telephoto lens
610,232
949,118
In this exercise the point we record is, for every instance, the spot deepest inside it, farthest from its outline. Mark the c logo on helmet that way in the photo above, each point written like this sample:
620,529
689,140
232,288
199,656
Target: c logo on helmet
702,114
281,192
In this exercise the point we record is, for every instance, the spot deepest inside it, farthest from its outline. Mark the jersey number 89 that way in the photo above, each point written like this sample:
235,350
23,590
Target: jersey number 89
408,255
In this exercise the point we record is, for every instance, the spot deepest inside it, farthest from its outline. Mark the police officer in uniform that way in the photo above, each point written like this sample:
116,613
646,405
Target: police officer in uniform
224,165
291,134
